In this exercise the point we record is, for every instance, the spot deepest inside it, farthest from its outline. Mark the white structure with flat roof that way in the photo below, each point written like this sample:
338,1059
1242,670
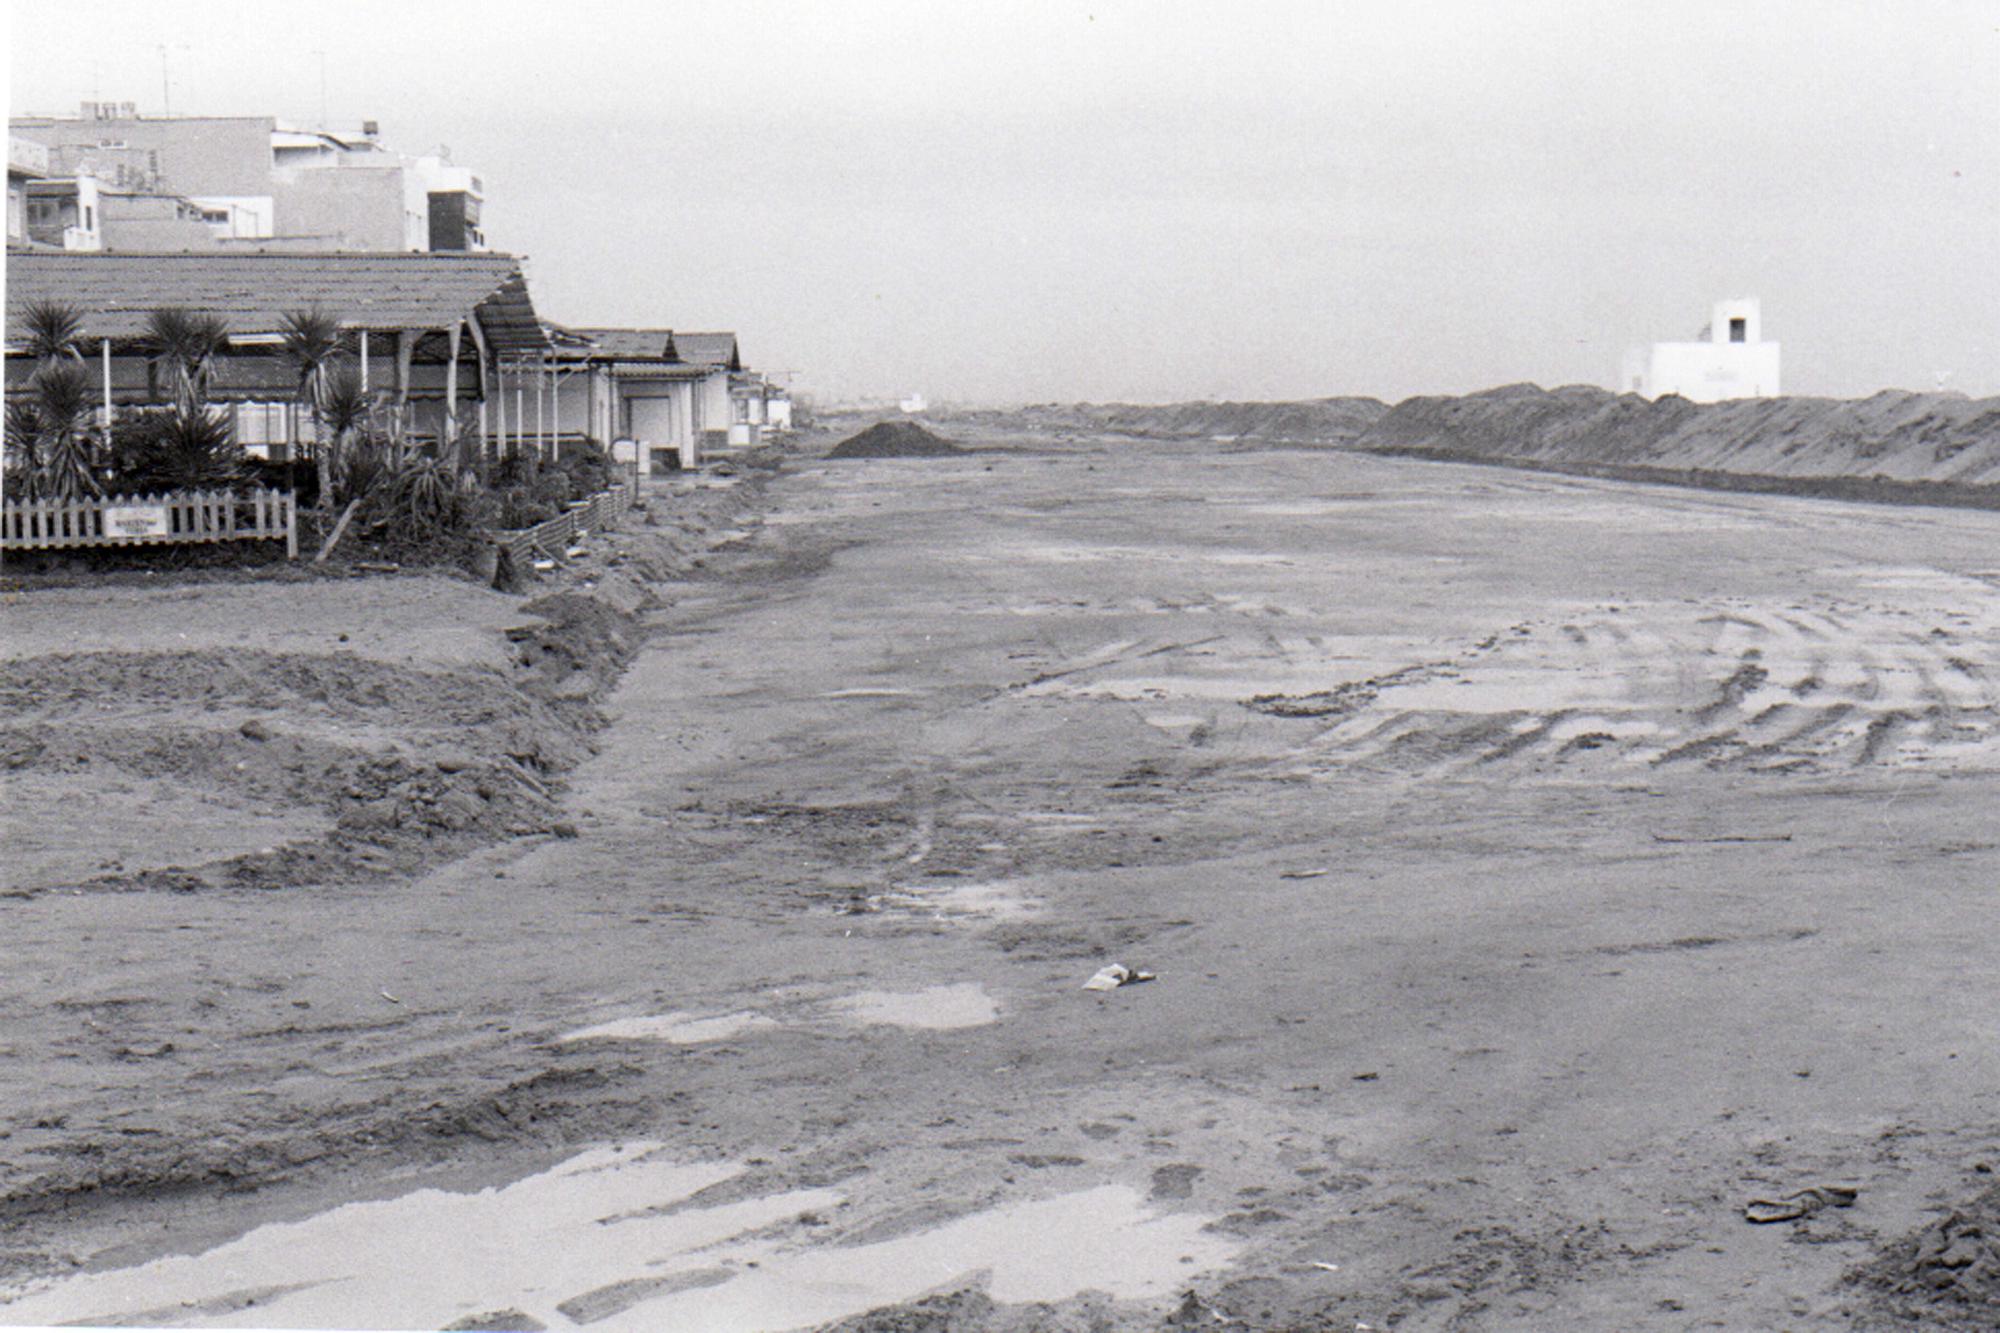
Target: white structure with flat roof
1731,360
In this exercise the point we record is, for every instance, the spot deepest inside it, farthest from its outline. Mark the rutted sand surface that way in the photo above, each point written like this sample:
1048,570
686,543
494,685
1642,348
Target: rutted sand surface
1535,870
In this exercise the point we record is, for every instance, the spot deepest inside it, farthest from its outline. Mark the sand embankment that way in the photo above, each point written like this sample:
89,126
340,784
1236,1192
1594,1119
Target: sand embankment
1892,445
1920,447
1324,421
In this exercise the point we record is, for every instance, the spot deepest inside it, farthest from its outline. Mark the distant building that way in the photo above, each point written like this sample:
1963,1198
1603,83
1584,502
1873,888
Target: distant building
628,389
27,162
83,213
914,404
268,185
1730,360
777,407
719,414
656,392
63,213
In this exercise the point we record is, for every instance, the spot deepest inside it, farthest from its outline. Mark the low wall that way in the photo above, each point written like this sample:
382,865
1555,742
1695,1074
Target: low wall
556,534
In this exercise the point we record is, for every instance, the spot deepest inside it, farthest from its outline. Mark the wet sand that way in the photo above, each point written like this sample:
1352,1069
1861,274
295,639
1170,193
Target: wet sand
1536,869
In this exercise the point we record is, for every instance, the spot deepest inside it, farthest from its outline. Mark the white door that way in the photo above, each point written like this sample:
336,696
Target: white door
653,420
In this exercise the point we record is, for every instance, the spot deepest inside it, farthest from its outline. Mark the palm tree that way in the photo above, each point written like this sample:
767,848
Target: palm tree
185,346
314,345
61,405
54,332
24,448
345,411
345,407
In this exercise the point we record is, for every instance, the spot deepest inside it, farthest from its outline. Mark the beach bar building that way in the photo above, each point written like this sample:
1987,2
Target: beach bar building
437,336
1730,359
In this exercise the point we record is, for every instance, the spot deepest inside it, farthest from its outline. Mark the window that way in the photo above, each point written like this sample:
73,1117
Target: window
1739,330
259,425
89,218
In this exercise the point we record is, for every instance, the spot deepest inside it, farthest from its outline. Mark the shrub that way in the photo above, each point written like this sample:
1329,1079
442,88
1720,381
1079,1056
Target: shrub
362,467
554,489
518,507
426,501
588,466
517,468
297,475
189,448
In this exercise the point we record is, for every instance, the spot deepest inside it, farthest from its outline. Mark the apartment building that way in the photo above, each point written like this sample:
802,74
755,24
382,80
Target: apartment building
256,181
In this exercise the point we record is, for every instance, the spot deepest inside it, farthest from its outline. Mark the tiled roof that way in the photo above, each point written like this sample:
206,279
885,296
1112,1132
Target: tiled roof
708,349
629,344
253,292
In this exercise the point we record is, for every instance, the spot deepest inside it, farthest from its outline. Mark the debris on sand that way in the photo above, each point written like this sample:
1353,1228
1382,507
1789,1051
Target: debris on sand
894,439
1320,703
1114,976
1800,1203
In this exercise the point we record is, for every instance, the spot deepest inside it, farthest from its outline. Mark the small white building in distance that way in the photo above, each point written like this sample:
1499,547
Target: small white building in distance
1730,361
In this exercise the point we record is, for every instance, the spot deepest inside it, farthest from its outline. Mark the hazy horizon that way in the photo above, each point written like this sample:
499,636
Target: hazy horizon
1114,201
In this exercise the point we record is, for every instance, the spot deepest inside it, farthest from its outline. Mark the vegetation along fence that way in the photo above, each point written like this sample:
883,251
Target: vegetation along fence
553,536
151,520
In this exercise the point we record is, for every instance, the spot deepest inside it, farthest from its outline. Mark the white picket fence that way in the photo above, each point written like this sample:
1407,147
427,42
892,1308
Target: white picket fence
152,520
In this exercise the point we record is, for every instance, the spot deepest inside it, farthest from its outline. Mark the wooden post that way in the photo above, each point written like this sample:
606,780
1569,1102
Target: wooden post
364,361
541,392
482,355
104,348
406,346
499,407
450,387
339,530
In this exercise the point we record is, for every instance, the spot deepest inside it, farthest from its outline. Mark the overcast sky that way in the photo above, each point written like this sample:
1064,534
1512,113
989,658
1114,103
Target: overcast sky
1116,200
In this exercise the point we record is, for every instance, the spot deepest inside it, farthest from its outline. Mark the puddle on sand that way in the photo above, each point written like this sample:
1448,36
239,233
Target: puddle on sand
599,1241
1102,1239
966,1005
991,900
684,1029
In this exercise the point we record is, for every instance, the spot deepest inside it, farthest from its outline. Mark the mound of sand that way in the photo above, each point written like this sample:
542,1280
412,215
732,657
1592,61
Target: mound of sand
894,439
1946,1275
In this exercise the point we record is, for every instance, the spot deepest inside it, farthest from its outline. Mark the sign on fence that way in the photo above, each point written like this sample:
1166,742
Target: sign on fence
135,520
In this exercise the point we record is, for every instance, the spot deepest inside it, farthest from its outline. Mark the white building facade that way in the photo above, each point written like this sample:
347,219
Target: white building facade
1731,360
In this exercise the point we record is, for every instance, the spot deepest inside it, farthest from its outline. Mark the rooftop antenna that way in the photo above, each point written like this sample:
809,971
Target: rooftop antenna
166,83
